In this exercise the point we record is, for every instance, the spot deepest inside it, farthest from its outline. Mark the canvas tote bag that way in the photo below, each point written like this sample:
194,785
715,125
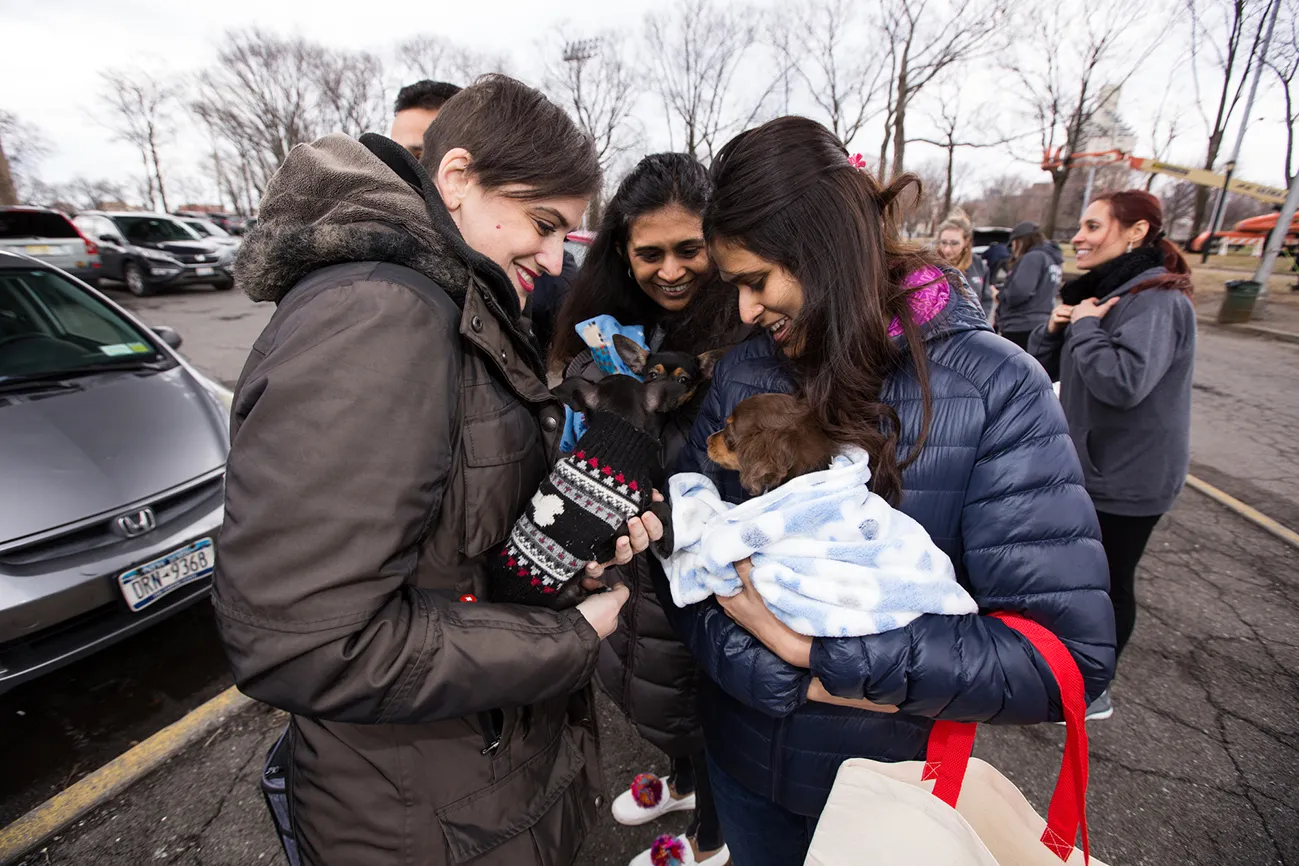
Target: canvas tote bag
955,810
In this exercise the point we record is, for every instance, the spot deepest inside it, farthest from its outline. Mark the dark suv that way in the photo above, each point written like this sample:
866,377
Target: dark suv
152,251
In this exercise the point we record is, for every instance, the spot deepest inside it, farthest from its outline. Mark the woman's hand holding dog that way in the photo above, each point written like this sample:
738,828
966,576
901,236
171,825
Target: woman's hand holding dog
750,611
601,610
640,532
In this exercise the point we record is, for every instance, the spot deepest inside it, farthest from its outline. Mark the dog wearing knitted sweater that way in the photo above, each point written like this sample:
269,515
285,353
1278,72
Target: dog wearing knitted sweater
583,506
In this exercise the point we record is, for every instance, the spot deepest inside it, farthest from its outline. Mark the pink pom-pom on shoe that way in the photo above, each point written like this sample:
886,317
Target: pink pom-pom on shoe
668,851
647,790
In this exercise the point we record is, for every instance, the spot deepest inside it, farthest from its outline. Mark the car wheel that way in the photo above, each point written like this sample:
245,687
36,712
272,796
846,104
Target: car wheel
136,282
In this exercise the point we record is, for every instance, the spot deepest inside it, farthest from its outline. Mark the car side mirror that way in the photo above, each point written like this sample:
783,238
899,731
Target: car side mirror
168,335
111,239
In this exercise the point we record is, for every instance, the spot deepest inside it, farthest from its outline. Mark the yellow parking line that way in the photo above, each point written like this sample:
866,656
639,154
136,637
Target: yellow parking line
113,778
1253,515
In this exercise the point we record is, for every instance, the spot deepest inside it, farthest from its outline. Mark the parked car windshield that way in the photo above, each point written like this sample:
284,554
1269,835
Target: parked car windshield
50,325
207,228
35,224
152,230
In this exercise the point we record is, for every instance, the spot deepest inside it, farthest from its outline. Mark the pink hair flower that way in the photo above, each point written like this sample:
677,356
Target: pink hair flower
857,161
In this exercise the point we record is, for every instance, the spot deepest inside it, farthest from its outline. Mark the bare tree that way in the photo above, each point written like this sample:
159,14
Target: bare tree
95,194
1222,53
1075,61
697,48
593,81
1166,126
952,134
833,54
351,91
8,193
144,117
22,146
432,56
1284,61
1178,201
262,96
929,209
928,37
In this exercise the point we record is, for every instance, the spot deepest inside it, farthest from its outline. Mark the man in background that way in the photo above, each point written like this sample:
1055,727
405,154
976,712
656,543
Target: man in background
416,106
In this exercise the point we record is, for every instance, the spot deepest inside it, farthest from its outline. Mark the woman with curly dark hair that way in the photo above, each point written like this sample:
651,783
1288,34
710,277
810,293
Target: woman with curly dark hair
649,266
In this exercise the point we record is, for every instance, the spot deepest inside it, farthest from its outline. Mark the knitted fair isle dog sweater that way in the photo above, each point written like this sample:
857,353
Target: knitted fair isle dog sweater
577,514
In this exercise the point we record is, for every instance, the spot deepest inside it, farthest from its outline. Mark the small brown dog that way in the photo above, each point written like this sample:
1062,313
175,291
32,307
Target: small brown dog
770,439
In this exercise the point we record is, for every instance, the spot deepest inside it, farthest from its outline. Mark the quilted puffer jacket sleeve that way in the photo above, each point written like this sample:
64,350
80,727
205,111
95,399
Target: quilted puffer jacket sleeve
1032,546
733,659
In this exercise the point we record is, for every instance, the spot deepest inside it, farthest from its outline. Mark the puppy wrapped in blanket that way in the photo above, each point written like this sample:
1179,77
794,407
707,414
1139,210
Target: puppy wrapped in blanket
830,558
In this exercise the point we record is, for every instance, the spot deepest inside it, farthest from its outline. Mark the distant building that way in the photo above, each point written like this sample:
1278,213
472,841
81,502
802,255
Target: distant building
1106,129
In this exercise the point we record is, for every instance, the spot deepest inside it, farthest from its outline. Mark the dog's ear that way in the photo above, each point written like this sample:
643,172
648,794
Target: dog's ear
708,360
632,355
662,395
766,456
578,394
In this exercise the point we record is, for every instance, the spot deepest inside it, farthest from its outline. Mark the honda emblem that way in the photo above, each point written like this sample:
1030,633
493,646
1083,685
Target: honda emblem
137,523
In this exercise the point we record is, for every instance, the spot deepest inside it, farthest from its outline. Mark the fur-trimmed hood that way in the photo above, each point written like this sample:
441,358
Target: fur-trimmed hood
341,200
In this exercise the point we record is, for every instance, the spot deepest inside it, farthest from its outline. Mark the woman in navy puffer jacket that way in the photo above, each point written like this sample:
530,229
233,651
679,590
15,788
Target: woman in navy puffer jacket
965,435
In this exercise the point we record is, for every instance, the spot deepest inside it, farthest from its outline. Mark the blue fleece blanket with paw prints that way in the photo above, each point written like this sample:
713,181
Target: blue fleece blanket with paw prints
830,558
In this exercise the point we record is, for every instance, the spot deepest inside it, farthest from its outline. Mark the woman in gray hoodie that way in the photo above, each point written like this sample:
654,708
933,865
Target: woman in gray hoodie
1035,277
1122,345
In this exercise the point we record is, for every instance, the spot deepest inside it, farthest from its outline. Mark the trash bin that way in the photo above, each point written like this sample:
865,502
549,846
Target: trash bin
1238,304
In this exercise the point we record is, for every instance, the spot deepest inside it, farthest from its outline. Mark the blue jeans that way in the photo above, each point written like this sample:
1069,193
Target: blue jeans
758,832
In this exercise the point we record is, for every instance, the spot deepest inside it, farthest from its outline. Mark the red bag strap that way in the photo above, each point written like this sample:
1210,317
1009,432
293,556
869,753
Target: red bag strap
951,743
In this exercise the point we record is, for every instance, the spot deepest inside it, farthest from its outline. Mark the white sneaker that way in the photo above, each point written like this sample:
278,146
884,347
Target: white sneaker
648,798
676,851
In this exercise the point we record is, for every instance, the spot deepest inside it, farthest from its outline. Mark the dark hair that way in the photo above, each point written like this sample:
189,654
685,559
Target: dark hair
1022,244
428,95
515,135
1131,206
788,193
604,286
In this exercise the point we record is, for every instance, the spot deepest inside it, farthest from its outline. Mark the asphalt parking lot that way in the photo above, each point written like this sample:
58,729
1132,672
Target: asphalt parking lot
1197,766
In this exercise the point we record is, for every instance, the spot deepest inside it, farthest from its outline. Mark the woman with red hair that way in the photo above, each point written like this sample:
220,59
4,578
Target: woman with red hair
1122,345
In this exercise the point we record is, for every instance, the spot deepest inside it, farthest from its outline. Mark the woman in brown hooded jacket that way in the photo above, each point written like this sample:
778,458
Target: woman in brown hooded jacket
389,426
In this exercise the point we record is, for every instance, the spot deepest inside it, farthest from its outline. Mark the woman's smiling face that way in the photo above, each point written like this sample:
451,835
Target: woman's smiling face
525,237
770,296
668,256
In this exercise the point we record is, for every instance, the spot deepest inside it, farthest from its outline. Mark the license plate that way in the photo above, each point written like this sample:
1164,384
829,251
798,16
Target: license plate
143,586
41,251
205,272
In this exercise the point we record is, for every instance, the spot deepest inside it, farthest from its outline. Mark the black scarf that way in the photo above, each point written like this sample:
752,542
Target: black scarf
1100,281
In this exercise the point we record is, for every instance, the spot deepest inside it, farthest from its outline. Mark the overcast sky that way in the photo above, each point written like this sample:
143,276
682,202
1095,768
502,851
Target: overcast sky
55,49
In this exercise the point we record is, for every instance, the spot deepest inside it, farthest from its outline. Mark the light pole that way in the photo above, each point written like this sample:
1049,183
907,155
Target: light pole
1221,206
1274,243
579,53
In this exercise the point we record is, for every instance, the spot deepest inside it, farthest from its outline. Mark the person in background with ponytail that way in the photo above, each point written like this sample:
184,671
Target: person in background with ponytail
1122,345
956,247
1036,273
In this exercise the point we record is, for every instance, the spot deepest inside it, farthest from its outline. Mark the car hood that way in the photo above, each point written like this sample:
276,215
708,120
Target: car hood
188,248
120,438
